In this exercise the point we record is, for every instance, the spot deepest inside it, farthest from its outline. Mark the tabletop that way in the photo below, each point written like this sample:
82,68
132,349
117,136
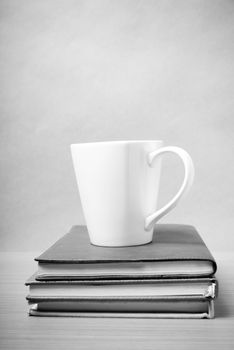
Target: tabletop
20,331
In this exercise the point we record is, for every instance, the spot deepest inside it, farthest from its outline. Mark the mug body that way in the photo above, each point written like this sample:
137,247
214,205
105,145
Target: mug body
118,189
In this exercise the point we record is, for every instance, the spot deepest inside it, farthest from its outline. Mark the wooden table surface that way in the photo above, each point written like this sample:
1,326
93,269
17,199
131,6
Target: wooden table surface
19,331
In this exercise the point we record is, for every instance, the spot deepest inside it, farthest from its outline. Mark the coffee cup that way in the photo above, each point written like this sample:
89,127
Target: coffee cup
119,183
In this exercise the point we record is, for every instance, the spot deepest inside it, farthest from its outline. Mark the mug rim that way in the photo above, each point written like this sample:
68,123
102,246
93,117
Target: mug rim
115,142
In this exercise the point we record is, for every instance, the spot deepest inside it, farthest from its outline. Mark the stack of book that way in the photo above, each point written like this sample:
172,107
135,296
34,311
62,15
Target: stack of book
172,277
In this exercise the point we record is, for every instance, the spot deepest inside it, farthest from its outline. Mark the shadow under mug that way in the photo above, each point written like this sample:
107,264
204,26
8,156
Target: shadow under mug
119,183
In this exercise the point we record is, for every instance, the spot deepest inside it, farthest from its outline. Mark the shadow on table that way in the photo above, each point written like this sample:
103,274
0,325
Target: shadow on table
222,309
223,302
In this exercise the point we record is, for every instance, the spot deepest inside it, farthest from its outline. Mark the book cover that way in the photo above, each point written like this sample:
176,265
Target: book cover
176,250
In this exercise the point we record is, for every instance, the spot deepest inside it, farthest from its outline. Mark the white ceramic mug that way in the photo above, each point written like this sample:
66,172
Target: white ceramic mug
118,183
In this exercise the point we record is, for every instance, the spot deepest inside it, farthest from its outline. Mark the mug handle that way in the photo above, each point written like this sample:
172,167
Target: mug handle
184,189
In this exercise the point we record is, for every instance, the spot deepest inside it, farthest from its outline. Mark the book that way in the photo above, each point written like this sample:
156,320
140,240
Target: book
176,251
125,308
126,288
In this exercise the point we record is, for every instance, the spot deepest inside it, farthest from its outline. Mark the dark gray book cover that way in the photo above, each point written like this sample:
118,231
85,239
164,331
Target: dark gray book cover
171,242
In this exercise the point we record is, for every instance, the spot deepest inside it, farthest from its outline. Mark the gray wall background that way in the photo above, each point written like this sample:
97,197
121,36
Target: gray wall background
80,71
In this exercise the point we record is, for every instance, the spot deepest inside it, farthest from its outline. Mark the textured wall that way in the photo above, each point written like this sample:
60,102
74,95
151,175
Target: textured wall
79,71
